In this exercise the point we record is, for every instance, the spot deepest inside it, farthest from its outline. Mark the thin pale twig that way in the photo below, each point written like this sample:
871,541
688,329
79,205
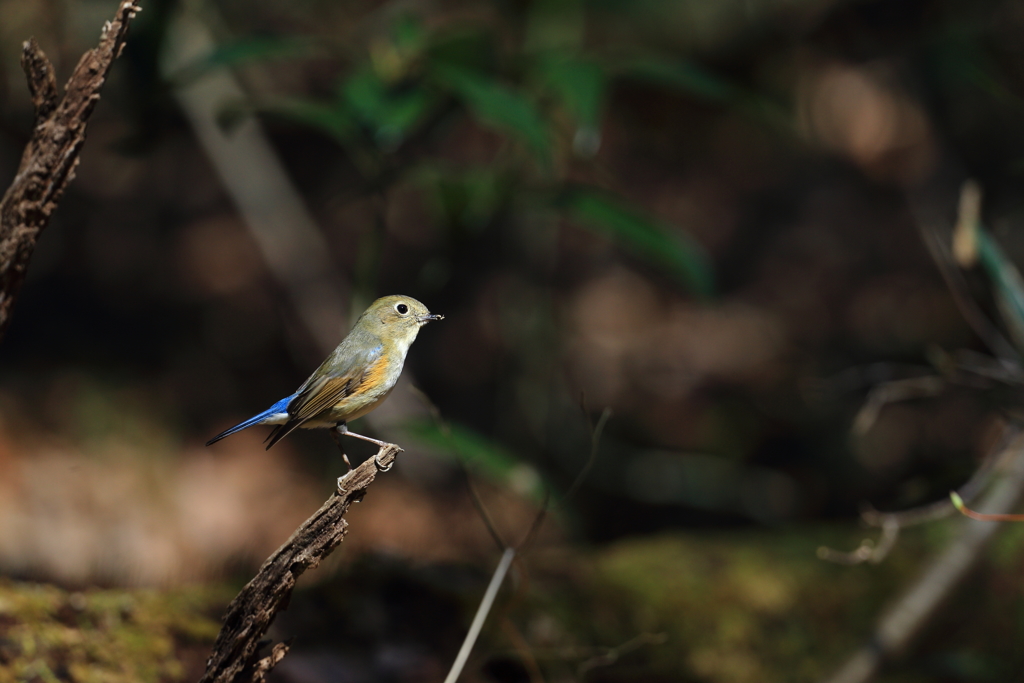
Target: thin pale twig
478,503
868,550
892,522
509,552
481,615
538,520
613,654
958,503
985,366
895,391
911,611
446,432
595,439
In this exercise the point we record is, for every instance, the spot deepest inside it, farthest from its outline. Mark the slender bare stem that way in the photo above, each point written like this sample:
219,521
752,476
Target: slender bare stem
481,615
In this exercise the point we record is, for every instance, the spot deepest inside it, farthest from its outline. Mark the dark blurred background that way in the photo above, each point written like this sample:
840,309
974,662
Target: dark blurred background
701,216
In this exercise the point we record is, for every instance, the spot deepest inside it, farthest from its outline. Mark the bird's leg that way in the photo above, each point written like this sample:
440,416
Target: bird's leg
336,433
342,429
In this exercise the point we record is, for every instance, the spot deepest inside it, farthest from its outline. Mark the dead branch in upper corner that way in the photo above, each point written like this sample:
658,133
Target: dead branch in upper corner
51,155
236,654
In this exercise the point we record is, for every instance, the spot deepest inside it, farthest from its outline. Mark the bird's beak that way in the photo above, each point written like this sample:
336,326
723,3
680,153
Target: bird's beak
424,319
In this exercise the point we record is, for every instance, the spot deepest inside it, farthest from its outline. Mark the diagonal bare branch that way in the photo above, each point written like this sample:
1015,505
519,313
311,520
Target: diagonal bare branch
49,160
236,653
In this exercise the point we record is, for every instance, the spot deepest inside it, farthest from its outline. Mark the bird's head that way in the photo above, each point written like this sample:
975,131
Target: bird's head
396,318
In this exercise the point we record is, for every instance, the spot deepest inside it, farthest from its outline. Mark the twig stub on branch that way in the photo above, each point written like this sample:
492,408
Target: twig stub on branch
42,82
51,155
236,654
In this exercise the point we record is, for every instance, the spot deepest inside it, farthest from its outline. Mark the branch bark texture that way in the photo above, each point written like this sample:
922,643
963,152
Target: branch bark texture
236,654
51,155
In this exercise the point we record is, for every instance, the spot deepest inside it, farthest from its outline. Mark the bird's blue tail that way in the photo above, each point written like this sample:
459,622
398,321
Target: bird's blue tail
276,409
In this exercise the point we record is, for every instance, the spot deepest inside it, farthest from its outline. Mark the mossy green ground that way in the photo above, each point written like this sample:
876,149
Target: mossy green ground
725,606
749,606
49,634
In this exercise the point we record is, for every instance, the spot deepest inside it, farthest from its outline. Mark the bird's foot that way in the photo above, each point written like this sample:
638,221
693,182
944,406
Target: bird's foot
379,464
357,498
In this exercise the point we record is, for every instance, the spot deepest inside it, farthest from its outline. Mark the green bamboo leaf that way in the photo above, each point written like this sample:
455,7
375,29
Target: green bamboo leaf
1009,287
408,33
480,454
465,48
700,83
327,118
663,245
959,57
555,25
687,76
388,111
497,106
248,50
469,198
580,86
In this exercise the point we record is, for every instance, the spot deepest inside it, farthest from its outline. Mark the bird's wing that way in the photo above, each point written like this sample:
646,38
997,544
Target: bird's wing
324,393
337,378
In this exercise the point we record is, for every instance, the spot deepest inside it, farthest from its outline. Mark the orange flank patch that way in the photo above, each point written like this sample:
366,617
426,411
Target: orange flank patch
374,375
328,394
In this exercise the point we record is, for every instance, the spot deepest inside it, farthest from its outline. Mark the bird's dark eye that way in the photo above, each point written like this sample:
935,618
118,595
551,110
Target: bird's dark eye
402,309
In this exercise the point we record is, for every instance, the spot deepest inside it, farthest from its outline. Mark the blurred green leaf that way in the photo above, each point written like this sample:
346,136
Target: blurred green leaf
466,48
408,34
579,86
1009,287
480,454
957,55
327,118
682,75
700,83
364,93
555,25
389,112
663,245
248,50
498,106
398,55
468,198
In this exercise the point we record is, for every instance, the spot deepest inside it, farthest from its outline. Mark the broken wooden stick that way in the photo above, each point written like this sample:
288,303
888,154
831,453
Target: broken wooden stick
51,155
237,653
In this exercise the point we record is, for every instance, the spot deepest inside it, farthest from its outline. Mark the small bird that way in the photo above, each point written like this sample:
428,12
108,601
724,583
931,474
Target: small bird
355,378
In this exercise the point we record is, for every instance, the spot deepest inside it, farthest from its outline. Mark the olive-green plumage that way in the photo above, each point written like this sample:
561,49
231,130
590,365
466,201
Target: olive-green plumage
355,378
